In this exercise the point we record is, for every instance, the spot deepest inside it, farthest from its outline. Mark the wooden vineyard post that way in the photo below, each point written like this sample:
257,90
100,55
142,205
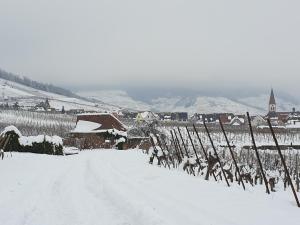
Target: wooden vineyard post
284,164
176,149
231,153
185,148
155,149
216,153
257,154
165,144
198,160
178,143
204,152
297,174
159,144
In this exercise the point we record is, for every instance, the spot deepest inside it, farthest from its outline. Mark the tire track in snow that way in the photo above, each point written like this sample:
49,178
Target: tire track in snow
122,207
160,198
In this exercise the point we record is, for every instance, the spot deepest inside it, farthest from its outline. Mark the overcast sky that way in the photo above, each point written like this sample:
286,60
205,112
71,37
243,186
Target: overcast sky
174,43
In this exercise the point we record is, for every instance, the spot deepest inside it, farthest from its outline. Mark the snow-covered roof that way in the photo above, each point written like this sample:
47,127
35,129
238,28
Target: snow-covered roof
294,124
99,123
106,120
83,126
147,116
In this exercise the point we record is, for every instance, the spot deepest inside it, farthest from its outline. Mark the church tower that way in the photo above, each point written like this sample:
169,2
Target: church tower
272,105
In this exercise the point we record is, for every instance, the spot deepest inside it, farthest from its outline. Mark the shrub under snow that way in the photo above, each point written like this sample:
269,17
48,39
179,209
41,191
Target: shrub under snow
42,144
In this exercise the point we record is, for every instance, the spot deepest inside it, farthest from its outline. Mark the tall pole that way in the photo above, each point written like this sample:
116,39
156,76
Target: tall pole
231,153
216,153
284,164
185,148
205,154
198,160
201,144
165,144
178,144
160,145
175,146
257,154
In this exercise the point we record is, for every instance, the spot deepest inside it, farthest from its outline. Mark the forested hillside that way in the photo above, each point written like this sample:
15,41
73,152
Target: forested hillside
34,84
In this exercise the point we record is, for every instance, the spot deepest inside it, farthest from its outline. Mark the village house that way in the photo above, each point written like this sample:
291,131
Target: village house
212,118
179,116
276,118
98,130
43,105
126,114
137,138
173,116
146,117
258,121
238,120
293,120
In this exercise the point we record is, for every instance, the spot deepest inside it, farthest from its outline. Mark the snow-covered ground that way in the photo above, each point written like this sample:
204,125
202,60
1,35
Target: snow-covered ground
108,187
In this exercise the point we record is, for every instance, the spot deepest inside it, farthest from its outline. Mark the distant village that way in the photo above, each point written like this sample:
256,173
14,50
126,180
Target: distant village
126,129
284,120
280,120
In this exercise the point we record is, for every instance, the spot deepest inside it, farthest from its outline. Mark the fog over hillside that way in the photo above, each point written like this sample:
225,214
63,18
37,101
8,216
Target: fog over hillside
204,100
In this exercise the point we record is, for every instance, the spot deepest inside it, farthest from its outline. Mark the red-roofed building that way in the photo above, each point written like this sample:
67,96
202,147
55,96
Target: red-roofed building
98,130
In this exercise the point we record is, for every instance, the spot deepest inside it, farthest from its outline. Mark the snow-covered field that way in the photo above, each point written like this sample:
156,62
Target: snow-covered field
28,97
119,187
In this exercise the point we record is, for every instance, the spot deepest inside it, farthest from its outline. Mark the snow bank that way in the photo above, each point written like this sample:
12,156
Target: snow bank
28,141
11,128
116,132
120,140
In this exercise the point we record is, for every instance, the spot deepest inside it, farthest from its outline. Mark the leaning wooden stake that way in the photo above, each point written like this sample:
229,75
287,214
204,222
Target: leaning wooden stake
205,154
284,164
216,153
257,155
185,148
297,174
162,150
178,144
175,146
231,153
165,144
198,160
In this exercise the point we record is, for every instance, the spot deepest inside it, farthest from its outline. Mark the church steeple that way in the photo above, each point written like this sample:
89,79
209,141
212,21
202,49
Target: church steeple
272,102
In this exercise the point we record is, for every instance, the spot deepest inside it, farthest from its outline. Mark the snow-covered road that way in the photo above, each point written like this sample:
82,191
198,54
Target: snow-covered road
118,187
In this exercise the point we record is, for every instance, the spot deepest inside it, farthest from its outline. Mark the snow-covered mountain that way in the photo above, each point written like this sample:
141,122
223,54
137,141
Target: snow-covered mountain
262,101
204,104
112,100
116,97
11,92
